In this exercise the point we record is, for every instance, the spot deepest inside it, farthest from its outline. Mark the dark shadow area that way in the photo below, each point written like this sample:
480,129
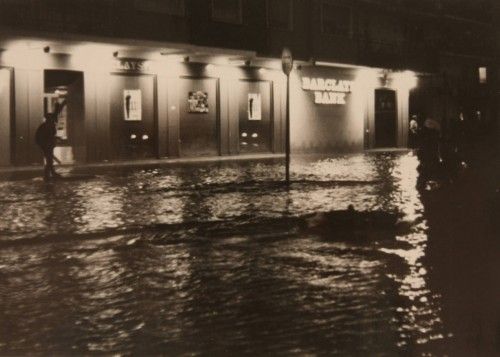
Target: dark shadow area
463,220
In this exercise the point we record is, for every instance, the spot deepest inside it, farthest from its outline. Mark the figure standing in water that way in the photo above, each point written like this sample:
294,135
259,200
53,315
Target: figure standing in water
428,152
45,138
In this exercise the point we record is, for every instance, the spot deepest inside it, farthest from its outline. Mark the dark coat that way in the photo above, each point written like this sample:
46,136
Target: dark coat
45,135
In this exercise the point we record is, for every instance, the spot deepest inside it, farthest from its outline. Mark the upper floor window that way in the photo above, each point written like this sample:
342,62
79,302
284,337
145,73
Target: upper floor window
168,7
483,75
227,11
336,20
280,14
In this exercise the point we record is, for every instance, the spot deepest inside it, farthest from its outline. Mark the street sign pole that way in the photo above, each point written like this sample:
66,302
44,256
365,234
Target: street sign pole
287,140
287,65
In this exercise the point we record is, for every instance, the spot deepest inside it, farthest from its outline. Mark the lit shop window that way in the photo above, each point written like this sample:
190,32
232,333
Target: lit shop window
168,7
280,14
229,11
336,20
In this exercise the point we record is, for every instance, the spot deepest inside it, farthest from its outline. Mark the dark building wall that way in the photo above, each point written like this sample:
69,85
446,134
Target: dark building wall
246,32
394,34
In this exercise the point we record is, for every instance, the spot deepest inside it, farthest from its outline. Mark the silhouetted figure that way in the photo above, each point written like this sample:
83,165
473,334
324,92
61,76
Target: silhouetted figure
460,136
451,160
45,138
428,152
413,132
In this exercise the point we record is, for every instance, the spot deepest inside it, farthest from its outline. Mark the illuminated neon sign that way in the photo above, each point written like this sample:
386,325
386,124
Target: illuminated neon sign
327,91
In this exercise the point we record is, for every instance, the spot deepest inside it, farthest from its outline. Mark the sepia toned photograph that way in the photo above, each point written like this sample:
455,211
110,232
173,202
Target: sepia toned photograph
250,178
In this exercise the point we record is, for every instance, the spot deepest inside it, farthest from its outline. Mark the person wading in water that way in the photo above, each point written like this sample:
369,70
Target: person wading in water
45,138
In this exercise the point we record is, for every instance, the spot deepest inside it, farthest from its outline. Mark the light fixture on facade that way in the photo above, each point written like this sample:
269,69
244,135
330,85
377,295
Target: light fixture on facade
46,49
236,62
385,78
324,64
405,80
262,70
174,58
333,64
210,67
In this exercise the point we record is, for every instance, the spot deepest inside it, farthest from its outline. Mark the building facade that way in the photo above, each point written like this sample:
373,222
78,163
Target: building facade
179,78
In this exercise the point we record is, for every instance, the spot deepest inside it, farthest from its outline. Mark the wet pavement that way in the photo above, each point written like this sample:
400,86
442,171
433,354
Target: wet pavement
215,259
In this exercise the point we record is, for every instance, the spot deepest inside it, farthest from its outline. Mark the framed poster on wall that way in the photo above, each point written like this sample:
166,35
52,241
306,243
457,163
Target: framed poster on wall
132,104
198,102
254,106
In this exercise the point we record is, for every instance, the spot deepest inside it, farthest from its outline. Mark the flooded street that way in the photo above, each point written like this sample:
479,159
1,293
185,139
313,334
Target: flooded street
213,260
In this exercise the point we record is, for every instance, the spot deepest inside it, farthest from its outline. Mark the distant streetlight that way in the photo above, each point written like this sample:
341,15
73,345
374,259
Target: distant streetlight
287,65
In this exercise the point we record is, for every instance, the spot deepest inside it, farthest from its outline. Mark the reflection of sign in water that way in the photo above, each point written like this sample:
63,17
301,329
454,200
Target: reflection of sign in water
254,106
198,102
132,104
327,91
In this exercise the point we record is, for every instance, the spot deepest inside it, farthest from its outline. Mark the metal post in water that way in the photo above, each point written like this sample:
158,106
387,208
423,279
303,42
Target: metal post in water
287,66
287,140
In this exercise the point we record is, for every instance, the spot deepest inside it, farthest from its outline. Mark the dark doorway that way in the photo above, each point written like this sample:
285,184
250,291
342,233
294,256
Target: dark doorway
198,117
60,86
255,117
385,118
5,116
133,120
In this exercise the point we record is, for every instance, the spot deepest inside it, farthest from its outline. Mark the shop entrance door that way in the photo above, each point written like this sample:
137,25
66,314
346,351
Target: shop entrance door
255,122
133,122
385,118
198,117
5,116
67,87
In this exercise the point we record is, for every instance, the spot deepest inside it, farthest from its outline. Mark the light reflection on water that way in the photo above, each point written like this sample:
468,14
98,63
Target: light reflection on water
225,272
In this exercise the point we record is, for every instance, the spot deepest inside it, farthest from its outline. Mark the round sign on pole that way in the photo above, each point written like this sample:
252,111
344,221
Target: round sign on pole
286,61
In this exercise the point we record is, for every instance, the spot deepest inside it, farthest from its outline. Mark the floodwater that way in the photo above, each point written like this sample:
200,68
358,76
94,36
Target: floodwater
210,260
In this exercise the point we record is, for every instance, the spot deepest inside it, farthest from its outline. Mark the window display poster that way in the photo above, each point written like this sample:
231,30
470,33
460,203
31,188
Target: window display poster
254,106
132,104
198,102
62,125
